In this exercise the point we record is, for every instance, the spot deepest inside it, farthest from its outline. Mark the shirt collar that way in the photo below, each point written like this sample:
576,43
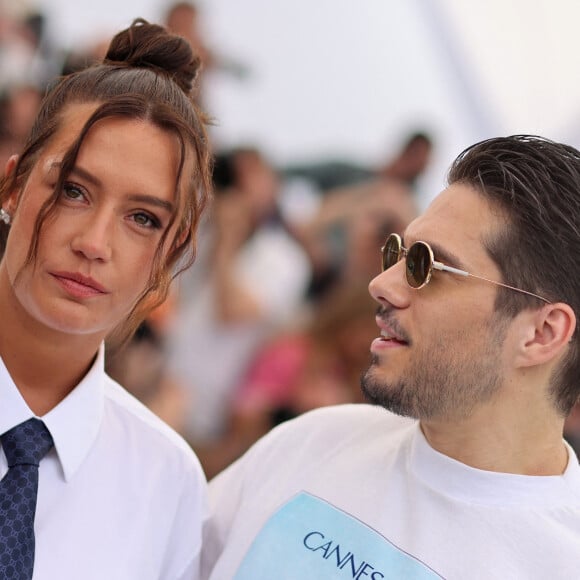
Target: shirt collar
73,423
469,484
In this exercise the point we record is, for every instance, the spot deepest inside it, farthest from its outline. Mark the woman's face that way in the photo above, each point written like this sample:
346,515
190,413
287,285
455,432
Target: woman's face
96,252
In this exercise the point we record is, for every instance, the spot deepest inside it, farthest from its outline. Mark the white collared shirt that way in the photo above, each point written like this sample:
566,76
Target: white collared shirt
121,496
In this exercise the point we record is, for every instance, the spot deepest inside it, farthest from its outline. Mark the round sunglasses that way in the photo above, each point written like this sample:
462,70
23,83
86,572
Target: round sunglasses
420,263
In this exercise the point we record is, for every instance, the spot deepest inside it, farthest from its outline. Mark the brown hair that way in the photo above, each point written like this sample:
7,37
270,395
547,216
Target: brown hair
536,184
147,74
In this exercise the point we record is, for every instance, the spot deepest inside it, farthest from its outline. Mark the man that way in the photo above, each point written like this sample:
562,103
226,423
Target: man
478,351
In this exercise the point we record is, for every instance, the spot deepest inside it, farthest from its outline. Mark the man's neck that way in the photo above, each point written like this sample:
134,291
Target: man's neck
526,441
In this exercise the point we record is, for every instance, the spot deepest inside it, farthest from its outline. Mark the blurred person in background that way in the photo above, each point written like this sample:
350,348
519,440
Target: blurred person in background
26,57
140,365
572,428
250,279
406,166
410,162
357,207
27,64
186,19
312,363
347,224
19,105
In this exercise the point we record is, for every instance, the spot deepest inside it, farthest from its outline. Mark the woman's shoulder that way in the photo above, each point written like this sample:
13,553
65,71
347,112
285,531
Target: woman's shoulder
146,429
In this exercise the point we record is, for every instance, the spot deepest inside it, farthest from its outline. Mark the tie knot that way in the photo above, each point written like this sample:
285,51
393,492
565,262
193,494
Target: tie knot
27,443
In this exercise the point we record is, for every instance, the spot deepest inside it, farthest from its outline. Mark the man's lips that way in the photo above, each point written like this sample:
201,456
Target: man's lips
78,279
389,331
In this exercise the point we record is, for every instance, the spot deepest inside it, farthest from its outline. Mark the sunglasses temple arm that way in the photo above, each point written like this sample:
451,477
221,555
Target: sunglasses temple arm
444,268
511,288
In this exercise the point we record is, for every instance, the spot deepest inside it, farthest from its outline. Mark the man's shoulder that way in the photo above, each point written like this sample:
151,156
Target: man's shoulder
329,437
349,416
336,427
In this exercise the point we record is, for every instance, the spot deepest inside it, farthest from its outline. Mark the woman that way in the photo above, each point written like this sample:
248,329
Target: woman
98,213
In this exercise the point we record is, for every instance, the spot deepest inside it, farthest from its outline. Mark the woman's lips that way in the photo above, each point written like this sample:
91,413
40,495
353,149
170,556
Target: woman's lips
79,285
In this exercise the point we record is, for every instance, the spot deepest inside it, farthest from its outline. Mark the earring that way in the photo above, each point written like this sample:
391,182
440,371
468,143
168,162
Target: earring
5,216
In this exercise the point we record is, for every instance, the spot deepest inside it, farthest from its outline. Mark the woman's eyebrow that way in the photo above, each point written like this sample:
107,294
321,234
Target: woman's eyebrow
152,200
78,171
137,197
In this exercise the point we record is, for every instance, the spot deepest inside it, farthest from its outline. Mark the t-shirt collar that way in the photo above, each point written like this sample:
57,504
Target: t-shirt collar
453,478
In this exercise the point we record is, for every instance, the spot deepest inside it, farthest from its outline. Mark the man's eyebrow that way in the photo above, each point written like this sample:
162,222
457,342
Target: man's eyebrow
446,257
137,197
442,255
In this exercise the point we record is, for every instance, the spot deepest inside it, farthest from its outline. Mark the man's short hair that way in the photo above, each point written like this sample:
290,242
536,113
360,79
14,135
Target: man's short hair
536,184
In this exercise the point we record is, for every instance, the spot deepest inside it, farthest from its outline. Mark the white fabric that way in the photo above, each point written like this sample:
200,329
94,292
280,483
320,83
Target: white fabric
457,521
121,496
209,357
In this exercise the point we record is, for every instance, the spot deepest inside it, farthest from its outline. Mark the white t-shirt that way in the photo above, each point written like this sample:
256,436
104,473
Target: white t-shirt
357,492
120,496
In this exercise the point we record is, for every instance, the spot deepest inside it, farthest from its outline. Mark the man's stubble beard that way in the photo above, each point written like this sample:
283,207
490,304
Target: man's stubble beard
443,382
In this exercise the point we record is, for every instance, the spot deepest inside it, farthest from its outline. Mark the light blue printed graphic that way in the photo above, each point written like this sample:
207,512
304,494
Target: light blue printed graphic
309,539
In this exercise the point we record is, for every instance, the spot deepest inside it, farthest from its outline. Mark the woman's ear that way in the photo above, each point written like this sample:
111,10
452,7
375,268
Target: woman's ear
547,334
10,203
10,165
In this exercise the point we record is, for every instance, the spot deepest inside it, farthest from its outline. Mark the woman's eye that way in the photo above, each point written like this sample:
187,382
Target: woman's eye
145,220
72,191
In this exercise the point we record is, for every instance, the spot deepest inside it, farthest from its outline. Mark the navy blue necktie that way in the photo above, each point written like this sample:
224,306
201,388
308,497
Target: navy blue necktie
24,446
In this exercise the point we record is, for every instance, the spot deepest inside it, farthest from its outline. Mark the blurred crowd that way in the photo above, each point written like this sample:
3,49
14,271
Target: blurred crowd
274,318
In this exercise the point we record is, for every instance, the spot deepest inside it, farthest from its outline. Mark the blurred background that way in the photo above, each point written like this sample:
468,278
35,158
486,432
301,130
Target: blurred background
349,78
334,124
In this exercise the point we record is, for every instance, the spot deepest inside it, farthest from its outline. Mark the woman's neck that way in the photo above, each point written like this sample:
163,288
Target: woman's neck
44,364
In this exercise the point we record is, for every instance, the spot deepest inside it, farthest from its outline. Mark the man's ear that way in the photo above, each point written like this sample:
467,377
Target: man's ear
546,333
10,203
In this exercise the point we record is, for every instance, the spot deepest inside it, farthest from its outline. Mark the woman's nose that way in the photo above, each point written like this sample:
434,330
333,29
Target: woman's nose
93,238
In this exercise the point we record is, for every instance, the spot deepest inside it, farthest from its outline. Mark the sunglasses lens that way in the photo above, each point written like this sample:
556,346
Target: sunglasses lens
391,251
418,265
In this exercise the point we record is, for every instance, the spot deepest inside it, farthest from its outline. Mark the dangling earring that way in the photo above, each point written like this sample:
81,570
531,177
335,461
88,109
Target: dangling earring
5,216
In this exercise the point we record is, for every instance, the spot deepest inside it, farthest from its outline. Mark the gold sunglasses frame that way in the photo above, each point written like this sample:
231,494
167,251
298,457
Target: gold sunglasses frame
435,265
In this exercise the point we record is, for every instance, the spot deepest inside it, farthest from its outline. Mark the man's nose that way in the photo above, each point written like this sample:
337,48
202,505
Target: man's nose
390,286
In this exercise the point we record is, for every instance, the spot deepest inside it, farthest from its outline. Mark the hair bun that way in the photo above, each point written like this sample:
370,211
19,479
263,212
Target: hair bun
151,46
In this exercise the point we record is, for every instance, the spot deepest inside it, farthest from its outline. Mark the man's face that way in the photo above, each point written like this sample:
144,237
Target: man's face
441,352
